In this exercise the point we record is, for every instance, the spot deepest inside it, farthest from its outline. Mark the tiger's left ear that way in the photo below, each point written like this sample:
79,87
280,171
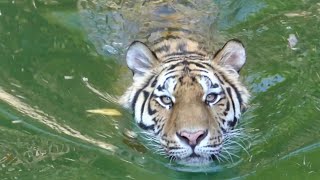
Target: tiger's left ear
232,55
140,59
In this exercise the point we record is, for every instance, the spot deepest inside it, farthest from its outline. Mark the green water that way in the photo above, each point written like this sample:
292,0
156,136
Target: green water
52,71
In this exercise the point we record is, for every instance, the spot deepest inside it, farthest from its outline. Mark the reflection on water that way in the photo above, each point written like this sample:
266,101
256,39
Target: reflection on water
50,121
59,59
16,159
265,82
105,96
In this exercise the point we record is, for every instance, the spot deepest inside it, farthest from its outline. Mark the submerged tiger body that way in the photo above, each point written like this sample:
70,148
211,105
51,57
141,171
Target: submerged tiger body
187,99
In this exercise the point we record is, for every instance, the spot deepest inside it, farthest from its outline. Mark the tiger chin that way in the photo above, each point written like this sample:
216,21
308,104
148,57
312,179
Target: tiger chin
188,101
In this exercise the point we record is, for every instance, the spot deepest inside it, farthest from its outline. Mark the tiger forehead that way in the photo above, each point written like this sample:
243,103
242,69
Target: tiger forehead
183,80
174,46
187,80
190,86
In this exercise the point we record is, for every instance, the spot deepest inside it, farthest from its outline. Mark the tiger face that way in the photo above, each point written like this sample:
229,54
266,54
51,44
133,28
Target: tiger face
187,103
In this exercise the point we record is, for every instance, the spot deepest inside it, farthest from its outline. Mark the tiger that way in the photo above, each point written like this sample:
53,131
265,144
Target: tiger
187,100
186,93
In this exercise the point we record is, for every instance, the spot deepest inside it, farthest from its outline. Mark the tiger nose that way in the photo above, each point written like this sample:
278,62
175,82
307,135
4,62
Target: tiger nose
193,138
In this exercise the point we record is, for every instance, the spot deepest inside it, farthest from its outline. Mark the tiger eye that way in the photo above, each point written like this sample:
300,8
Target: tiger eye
211,98
166,100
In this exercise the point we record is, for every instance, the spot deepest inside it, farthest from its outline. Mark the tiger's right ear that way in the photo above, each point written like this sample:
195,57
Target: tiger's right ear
140,59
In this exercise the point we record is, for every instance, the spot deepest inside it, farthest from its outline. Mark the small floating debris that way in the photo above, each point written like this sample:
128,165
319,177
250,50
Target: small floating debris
292,41
85,79
298,14
69,159
108,112
68,77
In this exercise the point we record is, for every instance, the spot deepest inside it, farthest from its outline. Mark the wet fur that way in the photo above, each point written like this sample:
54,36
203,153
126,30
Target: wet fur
185,59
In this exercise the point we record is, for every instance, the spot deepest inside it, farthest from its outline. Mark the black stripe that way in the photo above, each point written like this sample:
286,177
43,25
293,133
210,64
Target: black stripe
141,125
235,89
188,63
154,82
174,147
223,130
180,79
239,98
238,94
198,65
215,85
174,88
151,111
165,38
234,112
187,56
165,69
146,97
199,70
230,95
218,78
233,123
222,98
144,127
154,120
171,71
174,66
176,70
160,129
163,48
184,53
208,65
172,59
166,80
228,106
186,69
160,87
212,146
138,93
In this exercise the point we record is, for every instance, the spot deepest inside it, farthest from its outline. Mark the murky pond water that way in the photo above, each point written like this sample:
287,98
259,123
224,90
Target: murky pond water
59,59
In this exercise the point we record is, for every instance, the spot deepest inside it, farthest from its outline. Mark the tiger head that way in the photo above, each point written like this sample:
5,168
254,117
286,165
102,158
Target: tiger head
186,101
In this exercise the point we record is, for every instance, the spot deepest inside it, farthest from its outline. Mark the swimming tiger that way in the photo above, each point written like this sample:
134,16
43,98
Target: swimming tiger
186,98
189,101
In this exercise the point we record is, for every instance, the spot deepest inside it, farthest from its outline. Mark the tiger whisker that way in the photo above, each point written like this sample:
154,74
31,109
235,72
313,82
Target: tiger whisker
230,153
242,147
223,157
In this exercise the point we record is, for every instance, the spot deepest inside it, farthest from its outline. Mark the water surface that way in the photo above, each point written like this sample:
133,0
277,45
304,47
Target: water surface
57,62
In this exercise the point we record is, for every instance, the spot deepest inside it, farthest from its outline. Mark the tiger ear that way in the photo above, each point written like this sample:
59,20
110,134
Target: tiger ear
140,59
232,55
